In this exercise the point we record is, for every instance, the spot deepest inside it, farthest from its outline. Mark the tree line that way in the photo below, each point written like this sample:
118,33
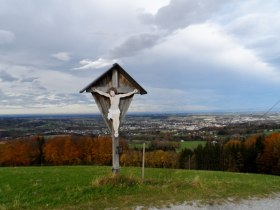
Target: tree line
256,154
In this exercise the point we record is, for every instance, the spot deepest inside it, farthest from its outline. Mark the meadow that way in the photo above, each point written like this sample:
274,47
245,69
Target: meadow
191,144
182,145
93,187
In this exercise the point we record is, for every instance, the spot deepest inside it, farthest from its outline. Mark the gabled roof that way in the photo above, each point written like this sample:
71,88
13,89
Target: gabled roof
120,70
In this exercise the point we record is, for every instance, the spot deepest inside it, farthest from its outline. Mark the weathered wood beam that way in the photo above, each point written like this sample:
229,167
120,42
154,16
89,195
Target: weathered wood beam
115,154
115,140
115,78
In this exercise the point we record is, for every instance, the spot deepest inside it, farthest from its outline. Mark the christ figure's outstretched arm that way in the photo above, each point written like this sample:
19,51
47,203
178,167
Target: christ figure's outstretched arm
128,94
100,92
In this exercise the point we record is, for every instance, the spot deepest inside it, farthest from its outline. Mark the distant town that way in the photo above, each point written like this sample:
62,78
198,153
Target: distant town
144,127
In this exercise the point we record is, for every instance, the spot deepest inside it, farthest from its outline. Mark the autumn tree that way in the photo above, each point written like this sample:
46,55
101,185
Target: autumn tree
61,150
185,158
209,157
251,151
131,158
102,150
269,162
233,156
21,152
85,145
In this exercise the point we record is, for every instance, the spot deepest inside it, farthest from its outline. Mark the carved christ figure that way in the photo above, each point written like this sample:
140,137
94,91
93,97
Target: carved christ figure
114,111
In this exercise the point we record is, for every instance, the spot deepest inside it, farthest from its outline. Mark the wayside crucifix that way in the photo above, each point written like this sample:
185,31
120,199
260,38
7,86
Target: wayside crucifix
113,92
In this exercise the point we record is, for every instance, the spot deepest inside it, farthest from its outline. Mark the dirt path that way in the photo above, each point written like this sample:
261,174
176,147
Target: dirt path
272,203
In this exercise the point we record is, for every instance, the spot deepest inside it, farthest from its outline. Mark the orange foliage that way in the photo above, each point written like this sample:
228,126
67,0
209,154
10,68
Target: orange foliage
233,143
270,159
250,141
102,150
69,150
85,145
131,158
54,150
158,158
20,152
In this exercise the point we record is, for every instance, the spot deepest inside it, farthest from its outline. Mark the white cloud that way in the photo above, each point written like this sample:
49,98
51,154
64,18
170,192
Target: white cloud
62,56
6,37
96,64
152,6
211,44
46,88
256,26
161,99
49,109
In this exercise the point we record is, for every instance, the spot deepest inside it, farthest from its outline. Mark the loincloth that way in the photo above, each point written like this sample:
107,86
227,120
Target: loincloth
113,112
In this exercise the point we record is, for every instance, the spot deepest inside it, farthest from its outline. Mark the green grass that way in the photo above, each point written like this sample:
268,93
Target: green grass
268,132
191,144
183,145
92,187
137,145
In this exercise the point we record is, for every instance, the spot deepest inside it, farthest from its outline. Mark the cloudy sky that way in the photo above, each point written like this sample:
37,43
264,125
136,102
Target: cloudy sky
191,56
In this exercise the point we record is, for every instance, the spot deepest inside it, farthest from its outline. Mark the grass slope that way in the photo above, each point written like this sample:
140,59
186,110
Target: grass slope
84,187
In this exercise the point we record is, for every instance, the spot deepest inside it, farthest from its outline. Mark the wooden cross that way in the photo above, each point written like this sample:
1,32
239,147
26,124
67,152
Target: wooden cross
118,78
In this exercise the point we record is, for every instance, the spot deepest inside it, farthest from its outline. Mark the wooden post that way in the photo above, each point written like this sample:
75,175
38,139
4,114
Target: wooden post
115,140
143,162
115,155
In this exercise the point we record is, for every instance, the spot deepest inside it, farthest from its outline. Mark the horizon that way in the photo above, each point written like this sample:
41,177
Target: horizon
142,113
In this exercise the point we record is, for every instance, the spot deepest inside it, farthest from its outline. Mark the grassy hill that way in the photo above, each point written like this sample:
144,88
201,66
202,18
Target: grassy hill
92,187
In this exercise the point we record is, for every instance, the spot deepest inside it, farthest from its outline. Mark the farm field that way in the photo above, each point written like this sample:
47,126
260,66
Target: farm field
183,145
191,144
92,187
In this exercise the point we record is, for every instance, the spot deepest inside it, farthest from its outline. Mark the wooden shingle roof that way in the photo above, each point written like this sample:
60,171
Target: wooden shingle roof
121,71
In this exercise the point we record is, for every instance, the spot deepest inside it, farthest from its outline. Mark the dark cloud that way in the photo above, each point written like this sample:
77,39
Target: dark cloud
178,14
132,45
29,79
6,77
